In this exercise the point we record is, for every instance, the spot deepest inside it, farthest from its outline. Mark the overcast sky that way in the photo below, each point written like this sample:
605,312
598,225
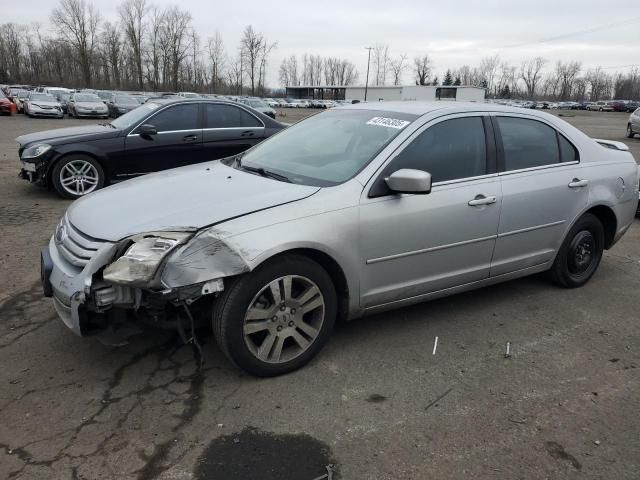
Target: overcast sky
453,33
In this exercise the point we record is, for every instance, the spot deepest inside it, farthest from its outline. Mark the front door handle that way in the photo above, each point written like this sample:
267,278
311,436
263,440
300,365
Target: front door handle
577,183
189,138
482,200
248,133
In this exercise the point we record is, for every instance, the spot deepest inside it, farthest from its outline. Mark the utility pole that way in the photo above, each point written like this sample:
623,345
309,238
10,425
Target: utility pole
366,84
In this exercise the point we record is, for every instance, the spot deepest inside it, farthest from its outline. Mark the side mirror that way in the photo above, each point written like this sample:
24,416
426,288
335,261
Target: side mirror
407,180
147,130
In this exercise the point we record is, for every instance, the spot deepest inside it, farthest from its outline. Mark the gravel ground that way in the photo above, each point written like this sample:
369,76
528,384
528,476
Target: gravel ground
376,403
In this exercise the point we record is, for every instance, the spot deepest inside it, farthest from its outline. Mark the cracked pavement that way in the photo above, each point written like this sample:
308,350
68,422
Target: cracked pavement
375,402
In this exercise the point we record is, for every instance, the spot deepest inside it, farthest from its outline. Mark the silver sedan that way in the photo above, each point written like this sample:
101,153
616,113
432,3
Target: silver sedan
353,211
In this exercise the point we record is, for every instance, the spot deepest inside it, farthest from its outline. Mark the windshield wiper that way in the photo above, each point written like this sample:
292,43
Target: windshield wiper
263,173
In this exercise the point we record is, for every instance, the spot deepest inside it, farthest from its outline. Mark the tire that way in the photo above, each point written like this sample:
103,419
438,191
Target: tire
573,267
601,110
87,181
630,132
231,309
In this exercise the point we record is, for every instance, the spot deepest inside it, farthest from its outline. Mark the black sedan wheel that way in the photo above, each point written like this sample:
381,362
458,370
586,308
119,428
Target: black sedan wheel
277,318
77,175
580,253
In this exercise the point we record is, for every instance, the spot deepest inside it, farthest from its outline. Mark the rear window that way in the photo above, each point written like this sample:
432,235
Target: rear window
527,143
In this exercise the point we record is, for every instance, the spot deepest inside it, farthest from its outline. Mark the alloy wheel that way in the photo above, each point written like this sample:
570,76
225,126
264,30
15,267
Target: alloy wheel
284,319
79,177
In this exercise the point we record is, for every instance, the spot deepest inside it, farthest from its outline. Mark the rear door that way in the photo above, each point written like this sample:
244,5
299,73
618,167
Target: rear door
543,191
177,143
229,130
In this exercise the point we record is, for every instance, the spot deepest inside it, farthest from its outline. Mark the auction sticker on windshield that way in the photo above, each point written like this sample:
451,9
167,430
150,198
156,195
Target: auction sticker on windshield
388,122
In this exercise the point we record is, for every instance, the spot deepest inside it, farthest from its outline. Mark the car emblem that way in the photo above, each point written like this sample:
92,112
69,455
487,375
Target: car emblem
60,234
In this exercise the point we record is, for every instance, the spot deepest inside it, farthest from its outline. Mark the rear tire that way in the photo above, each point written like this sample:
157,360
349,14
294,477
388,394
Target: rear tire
580,253
265,335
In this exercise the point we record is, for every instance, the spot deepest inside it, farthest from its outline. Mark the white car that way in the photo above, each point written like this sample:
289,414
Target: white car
42,105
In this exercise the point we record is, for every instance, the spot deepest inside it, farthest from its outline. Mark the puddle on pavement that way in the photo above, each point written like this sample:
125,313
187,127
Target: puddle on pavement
254,454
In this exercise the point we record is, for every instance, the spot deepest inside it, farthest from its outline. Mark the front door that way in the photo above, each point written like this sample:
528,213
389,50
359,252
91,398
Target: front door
417,244
543,191
177,143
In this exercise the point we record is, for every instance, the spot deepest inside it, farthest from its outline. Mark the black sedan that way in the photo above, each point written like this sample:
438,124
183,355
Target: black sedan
121,103
158,135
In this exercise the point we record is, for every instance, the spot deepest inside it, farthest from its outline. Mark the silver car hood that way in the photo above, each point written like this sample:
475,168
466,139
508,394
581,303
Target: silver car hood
188,198
44,103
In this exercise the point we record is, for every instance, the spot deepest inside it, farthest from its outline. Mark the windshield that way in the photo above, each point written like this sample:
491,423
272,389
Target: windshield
126,100
104,95
328,148
42,97
87,97
135,116
256,104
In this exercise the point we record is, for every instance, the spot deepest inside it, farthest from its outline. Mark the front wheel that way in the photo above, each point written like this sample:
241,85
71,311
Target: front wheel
580,253
630,132
77,175
277,318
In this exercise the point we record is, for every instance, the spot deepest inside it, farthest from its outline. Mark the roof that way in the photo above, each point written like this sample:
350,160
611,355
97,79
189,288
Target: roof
421,108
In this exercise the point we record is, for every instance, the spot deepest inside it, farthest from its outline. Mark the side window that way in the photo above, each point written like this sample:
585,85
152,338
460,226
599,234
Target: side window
449,150
568,152
527,143
178,117
229,116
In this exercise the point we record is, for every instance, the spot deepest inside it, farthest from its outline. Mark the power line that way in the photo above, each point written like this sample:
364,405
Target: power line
577,33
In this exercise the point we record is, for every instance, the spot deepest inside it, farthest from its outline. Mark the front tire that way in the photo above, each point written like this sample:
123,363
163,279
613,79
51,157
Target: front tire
630,132
580,253
277,318
77,175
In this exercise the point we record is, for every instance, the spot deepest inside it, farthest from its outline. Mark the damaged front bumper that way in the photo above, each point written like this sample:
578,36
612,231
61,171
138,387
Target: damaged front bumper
88,305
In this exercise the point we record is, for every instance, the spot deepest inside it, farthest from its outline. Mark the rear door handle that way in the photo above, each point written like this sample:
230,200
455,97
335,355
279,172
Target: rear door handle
248,133
189,138
577,183
482,200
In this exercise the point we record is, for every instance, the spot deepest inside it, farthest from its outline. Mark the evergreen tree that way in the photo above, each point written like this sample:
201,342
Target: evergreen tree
448,80
505,92
457,81
435,81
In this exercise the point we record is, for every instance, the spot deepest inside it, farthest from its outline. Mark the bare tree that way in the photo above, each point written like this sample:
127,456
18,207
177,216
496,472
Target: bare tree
111,45
216,56
132,13
252,44
488,69
77,23
422,67
398,66
176,45
566,73
531,73
381,63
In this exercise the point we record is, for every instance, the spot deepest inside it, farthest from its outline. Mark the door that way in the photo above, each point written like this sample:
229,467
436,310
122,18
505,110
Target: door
177,143
635,120
543,190
417,244
229,130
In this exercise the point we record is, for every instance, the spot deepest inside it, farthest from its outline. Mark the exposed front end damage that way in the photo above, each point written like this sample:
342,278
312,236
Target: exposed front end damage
159,279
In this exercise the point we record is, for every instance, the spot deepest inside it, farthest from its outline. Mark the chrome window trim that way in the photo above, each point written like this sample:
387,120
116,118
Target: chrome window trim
541,167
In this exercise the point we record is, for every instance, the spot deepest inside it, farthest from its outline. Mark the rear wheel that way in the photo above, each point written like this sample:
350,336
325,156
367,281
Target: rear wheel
277,318
580,253
77,175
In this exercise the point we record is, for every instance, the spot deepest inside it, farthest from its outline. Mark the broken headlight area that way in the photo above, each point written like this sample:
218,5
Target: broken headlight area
143,257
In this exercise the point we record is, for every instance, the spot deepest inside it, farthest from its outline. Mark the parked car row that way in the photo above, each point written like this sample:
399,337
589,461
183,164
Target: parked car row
601,106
